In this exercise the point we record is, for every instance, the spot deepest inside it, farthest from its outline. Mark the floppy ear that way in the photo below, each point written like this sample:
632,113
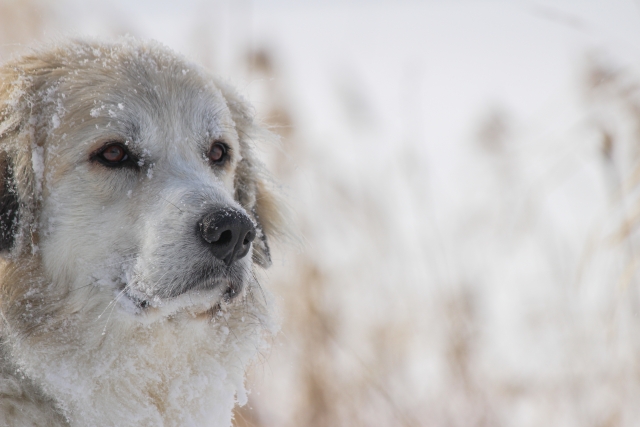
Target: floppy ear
254,188
9,207
9,204
19,81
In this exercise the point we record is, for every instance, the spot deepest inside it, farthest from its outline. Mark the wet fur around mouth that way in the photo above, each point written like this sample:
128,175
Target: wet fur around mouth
230,280
225,281
103,284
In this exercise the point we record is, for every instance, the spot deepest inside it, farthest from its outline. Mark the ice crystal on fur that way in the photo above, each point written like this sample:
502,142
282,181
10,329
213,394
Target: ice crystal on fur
115,310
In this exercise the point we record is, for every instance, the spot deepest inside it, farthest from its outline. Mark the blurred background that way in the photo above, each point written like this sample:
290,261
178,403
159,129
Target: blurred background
465,183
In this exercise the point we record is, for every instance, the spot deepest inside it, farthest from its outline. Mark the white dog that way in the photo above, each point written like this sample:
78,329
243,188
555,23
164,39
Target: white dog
132,215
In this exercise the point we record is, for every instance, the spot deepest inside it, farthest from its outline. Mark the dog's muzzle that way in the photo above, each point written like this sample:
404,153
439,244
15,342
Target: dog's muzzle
228,233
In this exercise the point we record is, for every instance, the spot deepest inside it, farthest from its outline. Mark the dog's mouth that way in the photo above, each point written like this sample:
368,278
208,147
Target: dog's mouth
228,288
139,303
202,295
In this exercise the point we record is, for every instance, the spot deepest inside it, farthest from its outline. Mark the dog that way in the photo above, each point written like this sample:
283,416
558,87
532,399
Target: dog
135,220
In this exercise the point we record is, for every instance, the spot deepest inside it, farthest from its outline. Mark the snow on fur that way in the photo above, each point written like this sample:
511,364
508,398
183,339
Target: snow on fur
113,311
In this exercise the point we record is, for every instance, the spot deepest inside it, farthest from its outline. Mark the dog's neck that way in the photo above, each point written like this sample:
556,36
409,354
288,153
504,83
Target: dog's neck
177,371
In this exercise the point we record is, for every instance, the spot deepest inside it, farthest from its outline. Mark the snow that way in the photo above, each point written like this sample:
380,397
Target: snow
463,261
55,121
37,162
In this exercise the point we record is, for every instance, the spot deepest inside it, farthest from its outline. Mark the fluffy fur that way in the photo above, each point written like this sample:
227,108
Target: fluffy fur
101,324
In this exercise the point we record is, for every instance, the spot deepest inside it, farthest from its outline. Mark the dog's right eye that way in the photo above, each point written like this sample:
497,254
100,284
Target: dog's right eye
113,154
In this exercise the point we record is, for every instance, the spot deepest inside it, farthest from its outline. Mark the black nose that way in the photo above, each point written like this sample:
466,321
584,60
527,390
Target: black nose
228,233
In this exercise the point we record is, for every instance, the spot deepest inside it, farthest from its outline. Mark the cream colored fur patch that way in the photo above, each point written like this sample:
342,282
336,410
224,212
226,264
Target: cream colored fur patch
121,302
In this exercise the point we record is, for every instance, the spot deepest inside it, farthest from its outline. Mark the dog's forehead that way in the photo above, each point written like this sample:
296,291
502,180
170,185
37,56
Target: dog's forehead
145,95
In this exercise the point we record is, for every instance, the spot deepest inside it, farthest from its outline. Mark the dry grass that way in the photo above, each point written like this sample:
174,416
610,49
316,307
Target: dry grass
343,371
496,306
21,22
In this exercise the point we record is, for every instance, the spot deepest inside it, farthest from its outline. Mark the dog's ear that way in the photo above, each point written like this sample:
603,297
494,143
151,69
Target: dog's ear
254,189
9,128
20,81
9,207
253,192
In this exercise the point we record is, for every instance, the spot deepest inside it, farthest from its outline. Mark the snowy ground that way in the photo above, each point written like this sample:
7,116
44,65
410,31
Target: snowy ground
464,181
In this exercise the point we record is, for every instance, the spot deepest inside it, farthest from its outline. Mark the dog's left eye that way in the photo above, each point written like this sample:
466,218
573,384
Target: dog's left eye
218,153
113,154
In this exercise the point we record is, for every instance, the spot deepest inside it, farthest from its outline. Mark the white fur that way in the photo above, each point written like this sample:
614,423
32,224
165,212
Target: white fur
92,242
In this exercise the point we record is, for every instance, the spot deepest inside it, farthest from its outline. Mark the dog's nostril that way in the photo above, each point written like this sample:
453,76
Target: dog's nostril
225,238
228,234
248,238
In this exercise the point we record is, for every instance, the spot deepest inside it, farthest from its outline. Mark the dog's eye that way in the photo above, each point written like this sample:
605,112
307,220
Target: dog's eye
218,153
113,154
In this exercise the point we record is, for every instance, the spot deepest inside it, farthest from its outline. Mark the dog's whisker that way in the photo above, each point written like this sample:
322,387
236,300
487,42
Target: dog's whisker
82,287
113,301
112,304
172,204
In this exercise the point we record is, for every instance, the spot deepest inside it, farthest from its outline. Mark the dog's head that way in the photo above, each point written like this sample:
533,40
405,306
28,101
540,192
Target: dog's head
128,173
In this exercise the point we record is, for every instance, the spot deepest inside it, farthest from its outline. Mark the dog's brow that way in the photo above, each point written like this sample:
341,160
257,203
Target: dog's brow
132,130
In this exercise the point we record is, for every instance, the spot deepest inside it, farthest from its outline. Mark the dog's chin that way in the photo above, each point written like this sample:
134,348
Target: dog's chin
203,298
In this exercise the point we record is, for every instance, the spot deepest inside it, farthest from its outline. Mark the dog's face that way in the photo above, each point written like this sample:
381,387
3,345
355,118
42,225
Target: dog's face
128,187
129,173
